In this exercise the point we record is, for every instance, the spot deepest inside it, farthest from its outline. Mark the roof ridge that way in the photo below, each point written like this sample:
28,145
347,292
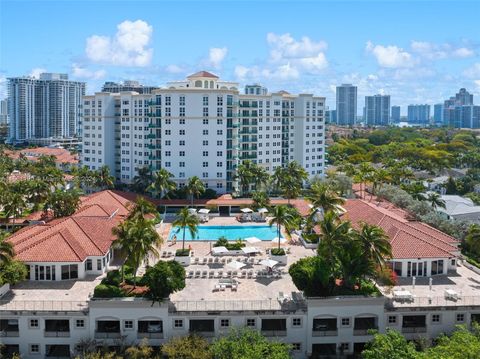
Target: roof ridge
436,230
67,240
35,243
86,234
47,226
427,242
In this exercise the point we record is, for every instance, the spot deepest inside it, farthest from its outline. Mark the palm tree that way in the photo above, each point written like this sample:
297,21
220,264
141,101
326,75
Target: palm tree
14,205
260,200
122,233
162,182
37,192
363,175
6,249
245,174
436,200
281,216
416,190
321,195
375,243
289,179
260,176
141,208
194,187
472,239
142,180
103,177
185,220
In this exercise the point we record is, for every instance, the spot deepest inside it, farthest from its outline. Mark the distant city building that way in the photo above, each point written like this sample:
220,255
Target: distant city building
418,114
127,85
46,108
459,111
255,89
395,114
438,114
333,116
377,110
4,112
346,104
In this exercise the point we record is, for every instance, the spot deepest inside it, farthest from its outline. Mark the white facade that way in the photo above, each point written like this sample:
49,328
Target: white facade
202,127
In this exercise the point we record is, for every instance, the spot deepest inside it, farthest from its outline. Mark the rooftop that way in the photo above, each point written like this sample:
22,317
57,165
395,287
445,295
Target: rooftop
62,156
203,74
457,205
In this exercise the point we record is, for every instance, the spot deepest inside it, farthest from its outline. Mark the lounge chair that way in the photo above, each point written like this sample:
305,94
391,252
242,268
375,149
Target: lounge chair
234,274
211,274
204,261
210,260
190,274
223,260
196,260
164,254
216,287
216,260
234,287
204,274
243,273
197,274
220,274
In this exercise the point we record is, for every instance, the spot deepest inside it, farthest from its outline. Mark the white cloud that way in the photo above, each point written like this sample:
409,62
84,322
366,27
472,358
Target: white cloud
390,56
174,69
433,51
314,64
286,47
216,55
36,72
128,47
473,71
81,72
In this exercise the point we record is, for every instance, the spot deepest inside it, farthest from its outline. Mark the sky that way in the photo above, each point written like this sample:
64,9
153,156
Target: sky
415,51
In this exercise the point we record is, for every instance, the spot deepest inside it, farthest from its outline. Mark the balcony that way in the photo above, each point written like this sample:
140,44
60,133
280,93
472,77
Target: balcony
324,333
203,327
364,324
153,125
151,329
142,335
151,136
414,324
274,333
274,327
108,329
56,334
414,329
154,158
248,156
246,131
9,328
363,331
324,327
107,335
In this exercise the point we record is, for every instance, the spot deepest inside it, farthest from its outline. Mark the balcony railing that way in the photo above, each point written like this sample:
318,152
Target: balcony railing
43,305
274,333
56,334
150,335
204,334
234,305
107,335
324,333
9,333
414,329
363,331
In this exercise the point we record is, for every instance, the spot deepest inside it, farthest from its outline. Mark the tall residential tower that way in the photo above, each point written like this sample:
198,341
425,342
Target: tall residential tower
346,102
377,110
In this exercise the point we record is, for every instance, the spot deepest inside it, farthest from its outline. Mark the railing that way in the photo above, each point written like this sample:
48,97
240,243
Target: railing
233,305
203,334
107,335
56,334
414,329
363,331
9,333
324,333
434,302
142,335
274,333
42,305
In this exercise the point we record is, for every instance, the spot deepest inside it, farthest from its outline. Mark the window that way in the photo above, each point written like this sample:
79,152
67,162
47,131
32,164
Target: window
80,323
34,348
88,264
128,324
181,132
296,322
435,318
205,132
224,323
99,264
345,322
296,347
392,319
344,347
460,317
178,323
251,322
33,323
70,271
219,164
205,121
204,164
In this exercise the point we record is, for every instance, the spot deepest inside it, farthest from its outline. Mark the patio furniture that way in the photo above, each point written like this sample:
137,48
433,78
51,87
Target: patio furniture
220,274
222,287
235,265
211,274
252,240
196,260
268,263
197,274
204,274
402,294
451,294
190,274
216,287
219,250
204,261
210,260
216,260
234,287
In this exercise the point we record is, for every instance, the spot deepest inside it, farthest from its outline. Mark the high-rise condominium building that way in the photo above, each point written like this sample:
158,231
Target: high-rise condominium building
202,127
48,107
255,89
377,110
3,112
346,103
438,114
116,87
418,114
460,112
395,116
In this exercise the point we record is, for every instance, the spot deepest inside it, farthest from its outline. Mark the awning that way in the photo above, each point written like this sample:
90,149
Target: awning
263,210
246,210
217,250
248,250
252,240
204,211
276,239
269,263
236,265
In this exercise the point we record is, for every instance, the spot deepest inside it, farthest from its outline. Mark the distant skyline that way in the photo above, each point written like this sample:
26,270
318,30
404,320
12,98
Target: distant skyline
415,51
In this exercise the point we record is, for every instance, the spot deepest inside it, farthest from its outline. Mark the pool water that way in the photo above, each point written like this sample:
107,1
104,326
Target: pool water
212,233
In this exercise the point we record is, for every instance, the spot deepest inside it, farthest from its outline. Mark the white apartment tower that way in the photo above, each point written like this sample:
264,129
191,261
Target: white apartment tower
202,127
346,102
48,107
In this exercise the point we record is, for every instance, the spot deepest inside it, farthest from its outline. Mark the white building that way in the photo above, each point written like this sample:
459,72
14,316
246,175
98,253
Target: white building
3,112
460,208
202,127
346,102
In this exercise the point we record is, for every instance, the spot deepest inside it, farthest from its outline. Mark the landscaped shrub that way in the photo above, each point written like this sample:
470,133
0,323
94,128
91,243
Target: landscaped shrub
277,251
107,291
231,246
310,237
182,252
113,277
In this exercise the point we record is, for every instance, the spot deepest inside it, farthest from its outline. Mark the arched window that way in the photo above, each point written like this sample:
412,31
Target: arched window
198,83
211,84
205,84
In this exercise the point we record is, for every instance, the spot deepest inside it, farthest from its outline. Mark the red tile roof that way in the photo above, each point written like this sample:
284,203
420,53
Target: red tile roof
62,156
203,74
409,239
88,232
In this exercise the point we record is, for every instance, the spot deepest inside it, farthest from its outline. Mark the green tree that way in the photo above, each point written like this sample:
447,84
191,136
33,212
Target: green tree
451,186
163,279
462,344
281,216
12,272
391,345
435,200
374,243
472,239
312,275
260,200
141,208
62,203
248,344
321,195
14,203
162,183
185,220
245,174
188,347
142,180
142,351
6,249
103,178
36,192
194,188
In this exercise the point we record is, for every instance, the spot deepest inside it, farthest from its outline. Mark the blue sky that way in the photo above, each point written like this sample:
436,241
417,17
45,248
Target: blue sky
416,51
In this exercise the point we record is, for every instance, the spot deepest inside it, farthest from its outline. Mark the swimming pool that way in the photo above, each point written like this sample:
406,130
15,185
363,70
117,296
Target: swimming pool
265,233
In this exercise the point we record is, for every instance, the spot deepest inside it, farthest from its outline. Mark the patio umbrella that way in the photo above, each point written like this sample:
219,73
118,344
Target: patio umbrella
204,211
236,265
192,210
246,210
263,210
282,240
248,250
269,263
218,250
252,240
